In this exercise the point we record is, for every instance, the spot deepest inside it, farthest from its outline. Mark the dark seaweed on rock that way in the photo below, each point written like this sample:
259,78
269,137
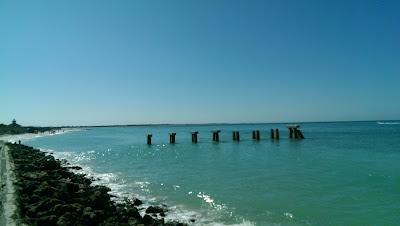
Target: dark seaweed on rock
49,194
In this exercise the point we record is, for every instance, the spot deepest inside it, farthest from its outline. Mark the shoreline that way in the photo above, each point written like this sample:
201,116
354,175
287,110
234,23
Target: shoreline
49,193
11,138
234,123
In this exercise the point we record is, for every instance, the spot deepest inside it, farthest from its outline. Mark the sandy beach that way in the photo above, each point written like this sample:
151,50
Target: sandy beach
26,136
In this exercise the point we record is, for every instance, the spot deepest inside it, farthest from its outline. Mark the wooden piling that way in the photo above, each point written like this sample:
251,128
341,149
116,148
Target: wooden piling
300,134
257,134
216,135
194,136
290,133
253,135
235,135
272,134
172,138
149,139
294,132
277,134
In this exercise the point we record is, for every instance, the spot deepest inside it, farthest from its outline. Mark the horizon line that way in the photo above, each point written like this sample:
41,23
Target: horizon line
222,123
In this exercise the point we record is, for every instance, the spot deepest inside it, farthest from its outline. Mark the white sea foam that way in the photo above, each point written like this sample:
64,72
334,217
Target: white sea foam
121,190
388,123
206,218
29,136
110,180
288,215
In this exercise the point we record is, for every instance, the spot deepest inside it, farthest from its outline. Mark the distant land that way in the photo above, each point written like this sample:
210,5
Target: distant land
15,128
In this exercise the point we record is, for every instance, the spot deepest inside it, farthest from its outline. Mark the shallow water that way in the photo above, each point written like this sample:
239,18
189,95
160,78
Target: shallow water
341,174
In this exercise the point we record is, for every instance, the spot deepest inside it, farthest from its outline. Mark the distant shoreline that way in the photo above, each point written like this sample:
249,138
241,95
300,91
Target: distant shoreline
238,123
48,128
25,136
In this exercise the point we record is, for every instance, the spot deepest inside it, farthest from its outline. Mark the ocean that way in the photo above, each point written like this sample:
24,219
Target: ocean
343,173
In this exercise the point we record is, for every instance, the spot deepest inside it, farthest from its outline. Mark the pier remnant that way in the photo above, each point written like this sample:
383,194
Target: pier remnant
235,135
149,139
216,135
194,136
272,134
277,134
256,134
300,134
290,132
295,132
172,138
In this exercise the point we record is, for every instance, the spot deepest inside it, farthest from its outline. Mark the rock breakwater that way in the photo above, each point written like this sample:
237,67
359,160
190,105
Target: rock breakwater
48,193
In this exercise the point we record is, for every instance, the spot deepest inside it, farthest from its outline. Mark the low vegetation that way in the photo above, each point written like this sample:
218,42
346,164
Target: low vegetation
15,128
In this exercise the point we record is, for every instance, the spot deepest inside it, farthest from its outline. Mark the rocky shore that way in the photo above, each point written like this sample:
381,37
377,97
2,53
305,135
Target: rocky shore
48,193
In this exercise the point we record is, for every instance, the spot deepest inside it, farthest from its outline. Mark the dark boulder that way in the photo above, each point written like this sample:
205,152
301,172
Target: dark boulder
133,212
75,167
67,219
43,205
148,220
137,202
47,220
155,209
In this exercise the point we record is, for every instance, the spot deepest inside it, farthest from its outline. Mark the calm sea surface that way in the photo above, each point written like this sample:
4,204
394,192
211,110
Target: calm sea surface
341,174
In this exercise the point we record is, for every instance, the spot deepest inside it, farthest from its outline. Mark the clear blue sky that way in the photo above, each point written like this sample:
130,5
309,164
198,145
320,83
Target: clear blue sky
77,62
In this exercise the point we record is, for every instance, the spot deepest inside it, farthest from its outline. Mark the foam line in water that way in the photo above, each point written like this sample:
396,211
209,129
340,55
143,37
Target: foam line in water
121,190
388,123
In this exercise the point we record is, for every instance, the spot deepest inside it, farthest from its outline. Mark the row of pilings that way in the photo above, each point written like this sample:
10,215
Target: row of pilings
294,133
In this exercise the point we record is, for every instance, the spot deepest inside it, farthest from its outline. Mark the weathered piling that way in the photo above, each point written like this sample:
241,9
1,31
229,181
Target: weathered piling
272,134
216,135
294,132
194,136
172,138
149,139
277,134
235,135
300,134
290,132
257,134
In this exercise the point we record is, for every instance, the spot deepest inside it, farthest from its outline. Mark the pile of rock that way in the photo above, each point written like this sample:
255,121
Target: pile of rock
50,194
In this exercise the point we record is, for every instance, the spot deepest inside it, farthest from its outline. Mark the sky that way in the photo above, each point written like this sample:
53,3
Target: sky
94,62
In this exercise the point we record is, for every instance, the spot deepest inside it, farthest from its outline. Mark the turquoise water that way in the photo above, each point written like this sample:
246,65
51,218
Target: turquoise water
341,174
